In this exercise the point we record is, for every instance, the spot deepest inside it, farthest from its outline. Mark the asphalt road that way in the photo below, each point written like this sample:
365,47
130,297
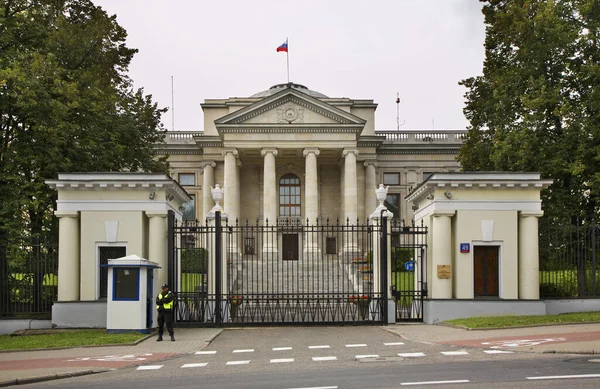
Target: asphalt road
345,357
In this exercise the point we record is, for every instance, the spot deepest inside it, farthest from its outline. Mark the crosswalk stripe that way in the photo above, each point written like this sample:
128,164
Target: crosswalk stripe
188,365
455,353
356,345
237,362
366,356
498,352
318,359
393,344
411,355
281,348
149,367
205,352
322,346
249,350
283,360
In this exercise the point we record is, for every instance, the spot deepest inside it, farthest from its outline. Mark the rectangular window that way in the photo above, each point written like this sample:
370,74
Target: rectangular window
126,284
106,253
249,246
392,202
391,178
189,209
187,179
331,246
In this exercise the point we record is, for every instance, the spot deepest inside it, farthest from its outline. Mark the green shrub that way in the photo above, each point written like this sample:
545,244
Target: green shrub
401,255
558,290
194,260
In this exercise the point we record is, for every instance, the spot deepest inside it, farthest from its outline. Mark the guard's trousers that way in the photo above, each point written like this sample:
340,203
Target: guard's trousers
165,317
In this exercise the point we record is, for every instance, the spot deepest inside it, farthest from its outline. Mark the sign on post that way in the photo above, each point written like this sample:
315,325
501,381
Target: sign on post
409,266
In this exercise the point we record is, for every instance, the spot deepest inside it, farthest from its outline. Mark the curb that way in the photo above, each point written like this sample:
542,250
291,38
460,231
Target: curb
592,352
76,347
58,376
445,324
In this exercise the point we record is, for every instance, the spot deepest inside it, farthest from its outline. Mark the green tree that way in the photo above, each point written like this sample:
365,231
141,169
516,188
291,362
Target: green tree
66,105
536,107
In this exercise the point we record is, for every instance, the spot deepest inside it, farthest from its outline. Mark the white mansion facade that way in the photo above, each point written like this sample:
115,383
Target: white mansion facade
290,152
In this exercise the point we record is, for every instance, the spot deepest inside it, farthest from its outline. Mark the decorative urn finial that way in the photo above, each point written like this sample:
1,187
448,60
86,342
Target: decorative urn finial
217,195
381,193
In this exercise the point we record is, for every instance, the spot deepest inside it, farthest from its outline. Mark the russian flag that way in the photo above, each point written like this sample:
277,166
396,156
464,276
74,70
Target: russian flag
283,47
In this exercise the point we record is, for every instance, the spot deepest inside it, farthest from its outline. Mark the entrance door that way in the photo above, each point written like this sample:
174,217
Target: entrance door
290,247
486,270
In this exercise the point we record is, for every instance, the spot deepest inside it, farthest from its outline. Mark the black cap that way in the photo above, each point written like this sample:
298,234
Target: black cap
165,286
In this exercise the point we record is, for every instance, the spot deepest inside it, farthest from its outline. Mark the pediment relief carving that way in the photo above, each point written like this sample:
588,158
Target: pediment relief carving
290,111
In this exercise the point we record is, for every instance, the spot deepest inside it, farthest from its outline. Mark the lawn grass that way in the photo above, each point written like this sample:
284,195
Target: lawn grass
403,280
519,321
66,339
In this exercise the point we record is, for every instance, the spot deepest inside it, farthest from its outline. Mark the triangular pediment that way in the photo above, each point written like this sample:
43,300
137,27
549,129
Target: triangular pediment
290,107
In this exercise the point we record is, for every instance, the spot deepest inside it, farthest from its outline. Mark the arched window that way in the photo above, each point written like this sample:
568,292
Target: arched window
289,195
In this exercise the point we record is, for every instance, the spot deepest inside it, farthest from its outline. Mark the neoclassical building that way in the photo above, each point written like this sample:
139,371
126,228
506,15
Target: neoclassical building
290,152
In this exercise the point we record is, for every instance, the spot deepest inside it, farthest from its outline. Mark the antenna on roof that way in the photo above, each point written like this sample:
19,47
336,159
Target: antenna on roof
398,112
172,106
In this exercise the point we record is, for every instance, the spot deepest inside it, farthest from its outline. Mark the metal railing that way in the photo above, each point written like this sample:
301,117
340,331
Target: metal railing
28,278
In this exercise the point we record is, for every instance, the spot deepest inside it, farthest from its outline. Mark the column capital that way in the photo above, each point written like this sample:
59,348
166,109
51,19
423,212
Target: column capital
348,151
204,164
66,213
439,213
233,151
371,162
308,150
156,213
271,150
531,213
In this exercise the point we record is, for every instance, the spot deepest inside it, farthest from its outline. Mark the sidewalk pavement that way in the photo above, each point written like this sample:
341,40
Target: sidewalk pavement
22,367
568,339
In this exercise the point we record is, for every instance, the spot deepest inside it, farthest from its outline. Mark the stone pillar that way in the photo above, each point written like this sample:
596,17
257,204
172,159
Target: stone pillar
370,185
311,196
350,186
270,202
157,242
231,185
441,288
208,180
237,195
529,264
68,255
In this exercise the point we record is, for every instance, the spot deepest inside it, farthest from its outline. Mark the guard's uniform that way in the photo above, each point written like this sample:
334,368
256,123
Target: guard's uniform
164,305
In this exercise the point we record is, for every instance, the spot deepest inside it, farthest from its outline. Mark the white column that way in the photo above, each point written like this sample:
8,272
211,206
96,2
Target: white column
529,264
230,185
157,245
208,180
350,186
68,255
441,288
311,192
237,195
269,186
370,186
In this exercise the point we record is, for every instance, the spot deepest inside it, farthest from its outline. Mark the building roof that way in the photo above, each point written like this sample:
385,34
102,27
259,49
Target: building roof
279,87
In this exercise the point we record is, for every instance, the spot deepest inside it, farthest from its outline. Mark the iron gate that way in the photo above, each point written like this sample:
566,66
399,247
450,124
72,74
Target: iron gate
287,273
408,269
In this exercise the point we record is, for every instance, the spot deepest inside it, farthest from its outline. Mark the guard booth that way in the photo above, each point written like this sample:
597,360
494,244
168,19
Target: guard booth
130,300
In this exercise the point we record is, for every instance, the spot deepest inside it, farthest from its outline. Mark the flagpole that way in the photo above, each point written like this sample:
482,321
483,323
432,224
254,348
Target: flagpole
287,52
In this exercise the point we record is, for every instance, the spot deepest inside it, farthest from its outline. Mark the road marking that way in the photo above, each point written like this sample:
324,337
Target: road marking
435,382
520,342
411,355
455,353
322,346
319,387
356,345
249,350
393,344
366,356
205,352
149,367
237,362
113,358
281,348
317,359
559,377
497,352
283,360
193,365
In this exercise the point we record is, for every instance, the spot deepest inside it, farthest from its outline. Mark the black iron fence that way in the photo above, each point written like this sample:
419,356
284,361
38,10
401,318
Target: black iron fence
569,261
287,273
28,278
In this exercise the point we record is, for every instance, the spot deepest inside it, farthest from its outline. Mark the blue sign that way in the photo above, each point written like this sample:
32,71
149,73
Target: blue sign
465,247
409,266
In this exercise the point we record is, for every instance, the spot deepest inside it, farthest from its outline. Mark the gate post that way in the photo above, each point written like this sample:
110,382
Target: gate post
383,267
171,257
218,267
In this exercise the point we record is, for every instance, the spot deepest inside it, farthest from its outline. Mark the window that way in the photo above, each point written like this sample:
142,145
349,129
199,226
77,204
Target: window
189,209
426,175
391,178
106,253
187,179
392,202
126,283
289,196
249,246
330,246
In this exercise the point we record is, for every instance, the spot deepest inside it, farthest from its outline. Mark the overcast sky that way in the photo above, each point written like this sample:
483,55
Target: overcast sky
341,48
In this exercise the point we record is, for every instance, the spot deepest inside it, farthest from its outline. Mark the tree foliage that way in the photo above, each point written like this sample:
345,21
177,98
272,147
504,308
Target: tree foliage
537,105
66,105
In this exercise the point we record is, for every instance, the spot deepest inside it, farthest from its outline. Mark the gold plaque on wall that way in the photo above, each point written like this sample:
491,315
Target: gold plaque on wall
443,271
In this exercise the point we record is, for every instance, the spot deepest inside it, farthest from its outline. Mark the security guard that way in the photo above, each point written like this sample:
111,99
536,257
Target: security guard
164,305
